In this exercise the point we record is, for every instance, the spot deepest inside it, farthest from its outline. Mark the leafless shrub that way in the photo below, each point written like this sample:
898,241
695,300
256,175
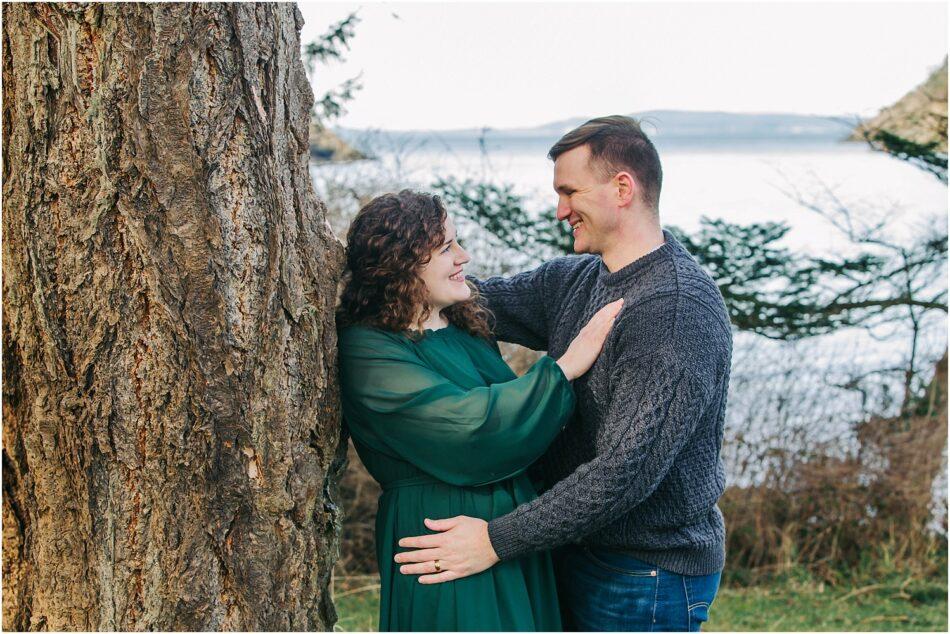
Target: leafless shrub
835,504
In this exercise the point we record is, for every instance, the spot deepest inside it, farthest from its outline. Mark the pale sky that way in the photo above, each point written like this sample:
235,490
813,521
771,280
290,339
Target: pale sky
457,65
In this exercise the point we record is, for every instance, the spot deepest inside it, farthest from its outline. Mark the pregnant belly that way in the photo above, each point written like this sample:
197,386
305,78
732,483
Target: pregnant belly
403,508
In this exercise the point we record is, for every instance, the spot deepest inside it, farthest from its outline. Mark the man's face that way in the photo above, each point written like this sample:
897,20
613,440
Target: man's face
585,201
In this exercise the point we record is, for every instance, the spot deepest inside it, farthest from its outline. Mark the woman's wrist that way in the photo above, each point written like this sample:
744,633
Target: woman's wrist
566,369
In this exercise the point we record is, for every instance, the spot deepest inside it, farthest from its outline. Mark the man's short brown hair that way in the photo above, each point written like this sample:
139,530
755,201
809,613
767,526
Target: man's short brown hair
617,144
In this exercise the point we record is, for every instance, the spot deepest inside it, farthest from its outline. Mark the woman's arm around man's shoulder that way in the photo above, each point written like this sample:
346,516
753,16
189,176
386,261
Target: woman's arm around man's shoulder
525,306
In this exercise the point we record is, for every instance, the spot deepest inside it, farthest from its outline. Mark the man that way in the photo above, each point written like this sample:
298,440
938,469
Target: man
632,483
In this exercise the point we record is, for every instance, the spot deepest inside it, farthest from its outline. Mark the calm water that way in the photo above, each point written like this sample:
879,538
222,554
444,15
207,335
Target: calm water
751,181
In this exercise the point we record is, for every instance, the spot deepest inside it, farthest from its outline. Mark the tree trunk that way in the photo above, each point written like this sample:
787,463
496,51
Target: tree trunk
170,407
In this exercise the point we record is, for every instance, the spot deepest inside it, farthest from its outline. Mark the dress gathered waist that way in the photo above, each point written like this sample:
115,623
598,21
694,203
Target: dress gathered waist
412,481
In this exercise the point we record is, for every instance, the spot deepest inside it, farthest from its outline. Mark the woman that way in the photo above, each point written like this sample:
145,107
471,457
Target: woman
437,416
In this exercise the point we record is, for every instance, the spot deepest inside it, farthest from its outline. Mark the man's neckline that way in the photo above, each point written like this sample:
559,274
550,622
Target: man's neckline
627,271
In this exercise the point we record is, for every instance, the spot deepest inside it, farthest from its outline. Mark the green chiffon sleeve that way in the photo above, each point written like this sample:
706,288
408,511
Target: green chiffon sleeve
465,437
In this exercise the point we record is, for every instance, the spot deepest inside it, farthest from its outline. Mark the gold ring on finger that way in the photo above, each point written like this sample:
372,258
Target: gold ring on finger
438,566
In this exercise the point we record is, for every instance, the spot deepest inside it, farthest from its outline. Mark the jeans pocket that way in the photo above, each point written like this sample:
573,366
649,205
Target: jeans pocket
619,563
700,593
609,592
698,614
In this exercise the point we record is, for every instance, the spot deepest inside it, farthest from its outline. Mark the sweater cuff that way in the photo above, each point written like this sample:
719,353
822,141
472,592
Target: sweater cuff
503,534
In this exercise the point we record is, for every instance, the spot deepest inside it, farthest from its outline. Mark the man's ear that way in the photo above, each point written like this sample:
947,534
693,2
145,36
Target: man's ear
626,188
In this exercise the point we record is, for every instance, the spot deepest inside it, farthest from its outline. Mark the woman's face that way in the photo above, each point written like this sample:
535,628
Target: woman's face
443,275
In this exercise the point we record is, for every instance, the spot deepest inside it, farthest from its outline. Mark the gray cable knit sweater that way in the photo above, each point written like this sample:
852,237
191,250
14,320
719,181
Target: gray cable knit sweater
638,467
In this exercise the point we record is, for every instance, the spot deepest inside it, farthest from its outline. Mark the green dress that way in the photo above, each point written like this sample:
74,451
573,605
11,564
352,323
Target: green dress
447,429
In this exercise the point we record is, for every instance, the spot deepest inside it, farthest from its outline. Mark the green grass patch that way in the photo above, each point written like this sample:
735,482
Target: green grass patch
791,602
357,603
791,605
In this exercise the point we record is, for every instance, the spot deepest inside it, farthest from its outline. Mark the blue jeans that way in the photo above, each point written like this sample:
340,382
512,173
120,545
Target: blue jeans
608,591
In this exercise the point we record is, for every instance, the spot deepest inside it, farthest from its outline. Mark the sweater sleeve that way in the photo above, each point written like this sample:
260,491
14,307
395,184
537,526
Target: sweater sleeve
655,404
523,304
519,315
467,437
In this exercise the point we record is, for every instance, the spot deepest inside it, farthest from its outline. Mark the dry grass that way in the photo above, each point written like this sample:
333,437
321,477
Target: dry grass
834,510
359,493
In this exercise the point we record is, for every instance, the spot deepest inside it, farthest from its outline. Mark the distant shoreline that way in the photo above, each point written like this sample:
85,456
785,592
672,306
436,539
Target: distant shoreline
376,146
659,125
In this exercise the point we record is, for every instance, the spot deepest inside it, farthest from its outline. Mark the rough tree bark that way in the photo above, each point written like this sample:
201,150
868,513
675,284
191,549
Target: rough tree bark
170,418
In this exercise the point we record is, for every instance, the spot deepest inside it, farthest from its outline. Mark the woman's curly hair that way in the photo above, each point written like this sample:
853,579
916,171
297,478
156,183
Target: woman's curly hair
388,242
